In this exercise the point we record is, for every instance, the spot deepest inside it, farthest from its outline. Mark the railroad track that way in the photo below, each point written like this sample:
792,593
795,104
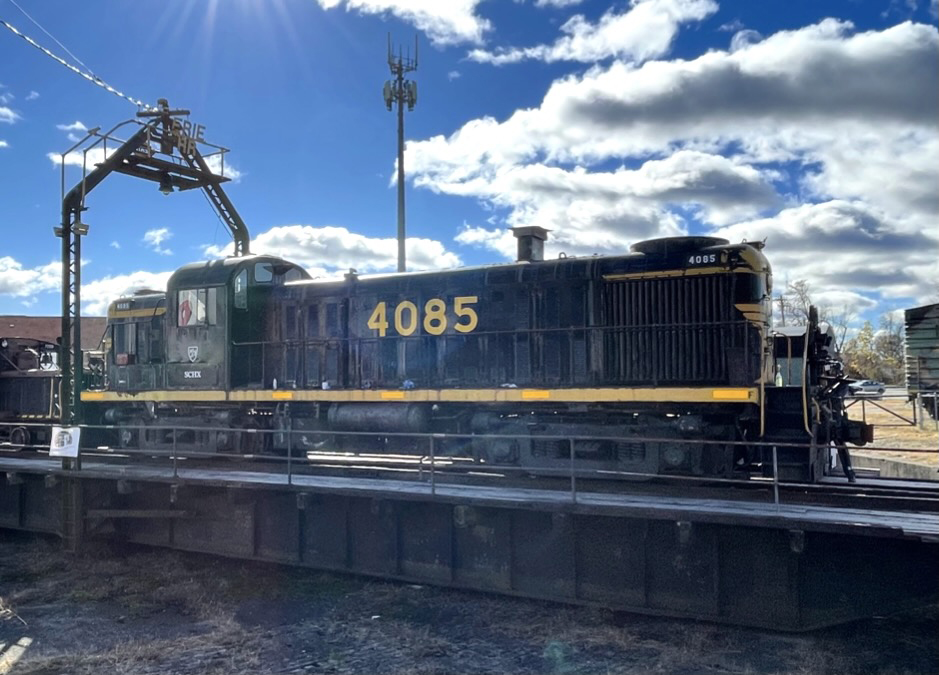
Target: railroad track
871,493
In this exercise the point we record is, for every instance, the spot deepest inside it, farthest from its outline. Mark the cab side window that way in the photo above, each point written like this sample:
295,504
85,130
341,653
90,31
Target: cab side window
263,273
125,338
196,307
241,290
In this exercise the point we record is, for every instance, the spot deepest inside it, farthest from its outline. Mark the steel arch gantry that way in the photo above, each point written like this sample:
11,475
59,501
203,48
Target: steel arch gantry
164,150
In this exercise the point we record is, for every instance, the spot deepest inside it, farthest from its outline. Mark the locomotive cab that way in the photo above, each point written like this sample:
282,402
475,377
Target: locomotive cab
216,318
134,339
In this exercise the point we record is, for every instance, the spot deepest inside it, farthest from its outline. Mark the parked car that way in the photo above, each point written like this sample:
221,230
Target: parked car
867,388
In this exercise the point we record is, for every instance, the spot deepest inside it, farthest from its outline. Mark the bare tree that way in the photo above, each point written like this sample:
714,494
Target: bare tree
797,300
793,309
840,321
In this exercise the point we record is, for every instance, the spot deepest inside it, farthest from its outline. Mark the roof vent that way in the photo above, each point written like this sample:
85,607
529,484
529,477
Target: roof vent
667,245
530,243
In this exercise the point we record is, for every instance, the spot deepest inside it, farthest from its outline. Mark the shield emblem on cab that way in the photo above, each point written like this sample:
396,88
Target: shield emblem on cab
193,353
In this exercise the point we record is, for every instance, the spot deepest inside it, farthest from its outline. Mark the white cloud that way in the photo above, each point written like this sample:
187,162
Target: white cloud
645,31
840,245
4,144
115,244
6,97
99,293
32,96
27,283
453,75
602,211
7,115
744,38
74,126
731,26
155,238
330,250
768,102
18,281
820,114
446,23
76,130
78,158
894,170
214,163
557,3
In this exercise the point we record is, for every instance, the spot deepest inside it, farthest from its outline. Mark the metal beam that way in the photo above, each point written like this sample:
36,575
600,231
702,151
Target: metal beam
71,232
136,513
134,157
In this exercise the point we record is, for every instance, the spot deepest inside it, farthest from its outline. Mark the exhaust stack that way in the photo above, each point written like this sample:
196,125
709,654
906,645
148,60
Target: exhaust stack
530,243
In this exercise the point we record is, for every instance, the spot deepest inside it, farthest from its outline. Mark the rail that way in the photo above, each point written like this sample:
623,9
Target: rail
428,465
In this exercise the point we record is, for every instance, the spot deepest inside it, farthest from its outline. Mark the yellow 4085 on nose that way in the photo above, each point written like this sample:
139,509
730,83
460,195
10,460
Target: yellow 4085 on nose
435,316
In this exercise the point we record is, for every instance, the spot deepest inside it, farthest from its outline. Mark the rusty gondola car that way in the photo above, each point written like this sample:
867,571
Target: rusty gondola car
671,342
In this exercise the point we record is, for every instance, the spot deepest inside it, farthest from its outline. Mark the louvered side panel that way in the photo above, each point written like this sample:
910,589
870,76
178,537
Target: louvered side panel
665,332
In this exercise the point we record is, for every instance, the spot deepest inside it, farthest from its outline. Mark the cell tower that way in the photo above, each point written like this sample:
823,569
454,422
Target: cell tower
401,91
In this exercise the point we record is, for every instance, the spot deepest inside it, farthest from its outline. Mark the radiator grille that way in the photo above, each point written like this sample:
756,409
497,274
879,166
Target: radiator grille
673,331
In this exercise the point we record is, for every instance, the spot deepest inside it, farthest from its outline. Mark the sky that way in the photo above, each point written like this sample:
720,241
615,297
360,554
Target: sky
811,125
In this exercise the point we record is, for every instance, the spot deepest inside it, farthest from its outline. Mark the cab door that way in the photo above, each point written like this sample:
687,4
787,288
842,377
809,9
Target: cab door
197,338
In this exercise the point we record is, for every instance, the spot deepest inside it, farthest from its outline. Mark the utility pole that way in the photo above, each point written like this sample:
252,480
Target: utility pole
401,91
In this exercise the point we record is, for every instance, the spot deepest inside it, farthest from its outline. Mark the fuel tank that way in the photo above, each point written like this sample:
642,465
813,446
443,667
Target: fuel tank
391,417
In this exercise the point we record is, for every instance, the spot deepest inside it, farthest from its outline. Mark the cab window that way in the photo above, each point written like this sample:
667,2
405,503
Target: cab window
125,338
241,290
263,273
196,307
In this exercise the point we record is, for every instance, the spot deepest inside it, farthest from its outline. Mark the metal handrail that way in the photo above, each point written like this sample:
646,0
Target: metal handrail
439,436
417,463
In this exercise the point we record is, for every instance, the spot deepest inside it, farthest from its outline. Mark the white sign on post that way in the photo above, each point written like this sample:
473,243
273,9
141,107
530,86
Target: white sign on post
64,441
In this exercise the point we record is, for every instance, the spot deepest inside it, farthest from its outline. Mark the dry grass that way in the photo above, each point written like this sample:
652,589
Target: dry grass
890,431
146,611
60,594
227,648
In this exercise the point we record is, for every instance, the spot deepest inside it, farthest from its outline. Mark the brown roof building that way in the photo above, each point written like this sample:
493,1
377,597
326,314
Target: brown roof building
49,328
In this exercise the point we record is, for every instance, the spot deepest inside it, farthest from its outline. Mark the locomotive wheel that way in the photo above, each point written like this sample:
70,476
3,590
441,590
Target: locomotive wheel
19,438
